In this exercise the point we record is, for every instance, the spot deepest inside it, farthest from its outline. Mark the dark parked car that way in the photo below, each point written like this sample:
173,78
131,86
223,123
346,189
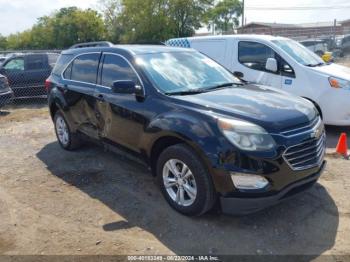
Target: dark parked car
2,59
27,73
5,91
317,46
345,45
205,134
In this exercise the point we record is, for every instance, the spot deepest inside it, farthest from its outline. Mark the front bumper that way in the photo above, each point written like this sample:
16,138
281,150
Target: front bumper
335,107
5,97
243,206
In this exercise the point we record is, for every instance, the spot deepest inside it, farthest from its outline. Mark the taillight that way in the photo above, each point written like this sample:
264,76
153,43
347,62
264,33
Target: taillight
47,84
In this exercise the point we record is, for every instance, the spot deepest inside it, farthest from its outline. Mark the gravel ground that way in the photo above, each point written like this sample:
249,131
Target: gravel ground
96,202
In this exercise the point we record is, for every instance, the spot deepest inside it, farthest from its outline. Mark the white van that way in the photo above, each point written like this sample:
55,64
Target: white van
282,63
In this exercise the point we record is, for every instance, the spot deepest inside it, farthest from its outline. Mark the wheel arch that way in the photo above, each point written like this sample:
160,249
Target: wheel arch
316,105
56,102
166,141
53,109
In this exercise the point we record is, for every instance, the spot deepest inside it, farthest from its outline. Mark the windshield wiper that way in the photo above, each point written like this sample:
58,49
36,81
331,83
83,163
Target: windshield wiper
222,85
202,90
185,92
314,65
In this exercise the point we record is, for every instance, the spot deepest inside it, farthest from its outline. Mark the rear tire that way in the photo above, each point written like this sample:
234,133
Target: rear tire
184,181
67,139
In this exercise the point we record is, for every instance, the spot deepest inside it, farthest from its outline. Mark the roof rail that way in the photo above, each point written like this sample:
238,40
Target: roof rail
147,43
92,44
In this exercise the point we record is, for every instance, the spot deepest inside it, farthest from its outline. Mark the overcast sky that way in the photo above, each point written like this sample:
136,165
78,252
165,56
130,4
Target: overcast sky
18,15
318,14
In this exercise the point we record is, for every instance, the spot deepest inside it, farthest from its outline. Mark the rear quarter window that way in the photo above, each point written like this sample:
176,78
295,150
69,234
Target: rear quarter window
61,64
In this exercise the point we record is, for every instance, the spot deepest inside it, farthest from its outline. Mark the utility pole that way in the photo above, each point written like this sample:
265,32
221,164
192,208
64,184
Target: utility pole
242,13
334,29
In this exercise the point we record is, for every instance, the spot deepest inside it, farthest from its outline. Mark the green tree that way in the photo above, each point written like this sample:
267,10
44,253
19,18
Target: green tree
3,42
145,21
224,16
112,10
60,30
72,25
187,15
152,20
42,36
19,40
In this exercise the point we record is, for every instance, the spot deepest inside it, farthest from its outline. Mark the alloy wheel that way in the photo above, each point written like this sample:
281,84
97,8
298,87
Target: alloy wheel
62,131
179,182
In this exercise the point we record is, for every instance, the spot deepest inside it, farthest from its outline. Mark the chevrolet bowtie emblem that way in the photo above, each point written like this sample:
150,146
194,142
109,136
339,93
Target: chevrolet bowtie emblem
317,132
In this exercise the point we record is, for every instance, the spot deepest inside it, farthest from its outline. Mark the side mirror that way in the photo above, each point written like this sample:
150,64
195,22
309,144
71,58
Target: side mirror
271,65
239,75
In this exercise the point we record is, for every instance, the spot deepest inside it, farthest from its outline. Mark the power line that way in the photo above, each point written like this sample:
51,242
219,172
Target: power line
297,8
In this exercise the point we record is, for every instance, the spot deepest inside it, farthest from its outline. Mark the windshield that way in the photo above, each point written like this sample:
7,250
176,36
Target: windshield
299,52
174,72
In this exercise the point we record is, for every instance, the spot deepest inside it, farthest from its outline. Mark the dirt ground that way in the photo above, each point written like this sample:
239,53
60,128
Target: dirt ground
96,202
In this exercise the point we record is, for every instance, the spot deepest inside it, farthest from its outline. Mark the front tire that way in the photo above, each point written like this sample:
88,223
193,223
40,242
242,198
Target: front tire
184,181
67,139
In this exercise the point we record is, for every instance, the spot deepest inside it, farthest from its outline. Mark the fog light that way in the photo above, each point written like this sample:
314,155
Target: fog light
246,181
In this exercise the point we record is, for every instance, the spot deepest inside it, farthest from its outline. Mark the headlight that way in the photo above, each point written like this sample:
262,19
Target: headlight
246,135
339,83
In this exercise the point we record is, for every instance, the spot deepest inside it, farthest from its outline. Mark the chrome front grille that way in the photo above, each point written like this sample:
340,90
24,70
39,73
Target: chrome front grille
300,129
307,154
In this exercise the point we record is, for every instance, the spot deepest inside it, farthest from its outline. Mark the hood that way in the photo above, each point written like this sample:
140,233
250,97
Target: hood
261,105
333,70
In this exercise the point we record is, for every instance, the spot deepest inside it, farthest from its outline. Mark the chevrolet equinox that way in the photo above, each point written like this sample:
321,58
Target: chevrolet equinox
207,136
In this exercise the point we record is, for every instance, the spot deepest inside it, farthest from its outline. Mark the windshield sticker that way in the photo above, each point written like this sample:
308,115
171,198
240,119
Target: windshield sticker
288,81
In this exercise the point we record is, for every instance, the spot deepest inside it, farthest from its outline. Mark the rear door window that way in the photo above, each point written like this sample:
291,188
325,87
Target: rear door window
84,68
254,55
116,68
35,62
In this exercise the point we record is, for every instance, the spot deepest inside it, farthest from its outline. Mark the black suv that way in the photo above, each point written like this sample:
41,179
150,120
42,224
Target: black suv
206,135
27,73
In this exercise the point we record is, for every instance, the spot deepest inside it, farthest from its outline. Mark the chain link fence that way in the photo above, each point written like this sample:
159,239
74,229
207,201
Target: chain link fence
23,74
